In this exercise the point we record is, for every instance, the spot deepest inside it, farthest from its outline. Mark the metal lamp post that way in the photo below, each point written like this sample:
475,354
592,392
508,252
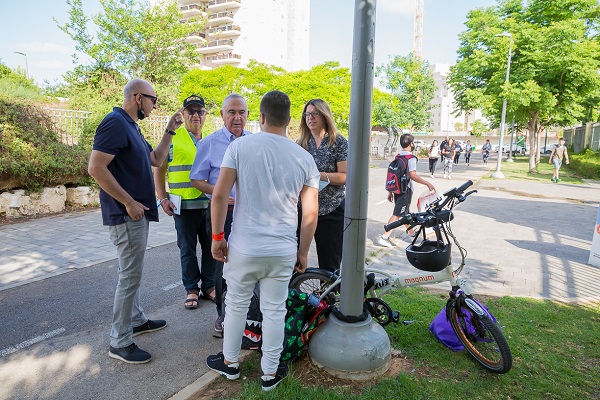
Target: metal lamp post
26,67
498,174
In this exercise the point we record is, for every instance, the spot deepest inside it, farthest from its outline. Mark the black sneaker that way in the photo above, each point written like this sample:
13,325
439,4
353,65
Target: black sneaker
130,354
270,382
149,326
216,362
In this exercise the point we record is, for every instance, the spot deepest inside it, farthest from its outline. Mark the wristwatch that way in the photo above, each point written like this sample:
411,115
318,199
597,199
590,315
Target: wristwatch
170,132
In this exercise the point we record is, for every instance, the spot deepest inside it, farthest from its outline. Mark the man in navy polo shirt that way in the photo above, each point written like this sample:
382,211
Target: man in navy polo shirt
121,162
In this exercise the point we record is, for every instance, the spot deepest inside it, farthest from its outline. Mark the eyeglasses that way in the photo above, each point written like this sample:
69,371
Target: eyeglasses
313,114
154,99
199,112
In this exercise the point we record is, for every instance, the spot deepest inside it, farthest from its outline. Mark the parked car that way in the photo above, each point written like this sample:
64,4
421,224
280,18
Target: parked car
548,148
517,148
419,144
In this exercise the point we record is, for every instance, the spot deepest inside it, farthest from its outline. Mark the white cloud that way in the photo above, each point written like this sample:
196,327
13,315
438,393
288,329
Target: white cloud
402,7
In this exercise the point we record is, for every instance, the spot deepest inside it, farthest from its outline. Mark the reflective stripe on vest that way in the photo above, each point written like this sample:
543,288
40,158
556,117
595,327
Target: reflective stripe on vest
184,152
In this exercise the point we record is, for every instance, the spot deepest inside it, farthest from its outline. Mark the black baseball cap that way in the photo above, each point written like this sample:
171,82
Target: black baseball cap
193,99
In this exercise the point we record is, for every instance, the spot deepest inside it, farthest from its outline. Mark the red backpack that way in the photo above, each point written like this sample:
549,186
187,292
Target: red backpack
397,175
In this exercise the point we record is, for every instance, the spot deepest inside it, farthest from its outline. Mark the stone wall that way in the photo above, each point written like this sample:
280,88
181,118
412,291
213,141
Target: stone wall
19,203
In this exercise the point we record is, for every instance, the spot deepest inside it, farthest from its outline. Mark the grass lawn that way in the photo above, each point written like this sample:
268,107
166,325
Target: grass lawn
519,170
555,347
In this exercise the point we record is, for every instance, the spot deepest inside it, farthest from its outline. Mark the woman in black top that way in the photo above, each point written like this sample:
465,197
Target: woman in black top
320,137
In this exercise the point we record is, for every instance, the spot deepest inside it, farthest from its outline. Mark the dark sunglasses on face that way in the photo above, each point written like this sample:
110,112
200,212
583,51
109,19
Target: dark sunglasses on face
199,112
152,98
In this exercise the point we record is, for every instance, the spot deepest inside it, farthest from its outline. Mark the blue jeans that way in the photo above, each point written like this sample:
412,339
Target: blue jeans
131,238
193,226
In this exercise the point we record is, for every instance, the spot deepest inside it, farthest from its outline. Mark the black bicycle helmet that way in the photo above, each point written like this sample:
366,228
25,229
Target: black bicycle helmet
430,255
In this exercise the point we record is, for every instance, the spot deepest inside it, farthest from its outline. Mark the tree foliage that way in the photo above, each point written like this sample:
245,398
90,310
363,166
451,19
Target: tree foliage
327,81
132,40
554,68
412,86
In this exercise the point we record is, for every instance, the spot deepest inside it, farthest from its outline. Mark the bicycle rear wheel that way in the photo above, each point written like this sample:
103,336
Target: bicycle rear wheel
317,282
480,335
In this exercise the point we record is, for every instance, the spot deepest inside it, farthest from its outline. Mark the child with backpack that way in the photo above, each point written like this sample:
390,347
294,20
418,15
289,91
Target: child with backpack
402,171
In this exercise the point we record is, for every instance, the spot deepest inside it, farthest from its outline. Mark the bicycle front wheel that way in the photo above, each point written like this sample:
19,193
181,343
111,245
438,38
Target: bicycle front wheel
480,336
317,282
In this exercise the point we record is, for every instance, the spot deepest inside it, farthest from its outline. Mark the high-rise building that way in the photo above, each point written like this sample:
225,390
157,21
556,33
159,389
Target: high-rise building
444,119
237,31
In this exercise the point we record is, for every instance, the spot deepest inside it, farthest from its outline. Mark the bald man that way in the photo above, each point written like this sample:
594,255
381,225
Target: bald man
121,162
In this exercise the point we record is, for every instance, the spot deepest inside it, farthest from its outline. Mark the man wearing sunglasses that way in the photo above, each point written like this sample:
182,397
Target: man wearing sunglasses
192,220
121,162
206,169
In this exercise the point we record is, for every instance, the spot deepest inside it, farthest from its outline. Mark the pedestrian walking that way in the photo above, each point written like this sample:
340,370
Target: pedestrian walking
402,200
434,155
468,151
559,153
448,152
485,151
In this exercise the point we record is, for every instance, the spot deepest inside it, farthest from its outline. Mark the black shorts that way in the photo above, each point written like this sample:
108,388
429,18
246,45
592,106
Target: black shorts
402,203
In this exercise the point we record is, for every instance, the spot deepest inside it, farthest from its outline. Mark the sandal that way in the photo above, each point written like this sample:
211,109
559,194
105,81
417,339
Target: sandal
191,301
209,294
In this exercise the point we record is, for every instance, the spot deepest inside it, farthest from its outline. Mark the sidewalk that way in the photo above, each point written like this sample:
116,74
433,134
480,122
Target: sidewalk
529,238
38,249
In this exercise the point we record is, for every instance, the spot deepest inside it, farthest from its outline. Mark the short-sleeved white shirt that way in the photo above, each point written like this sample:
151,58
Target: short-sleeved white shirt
271,172
412,166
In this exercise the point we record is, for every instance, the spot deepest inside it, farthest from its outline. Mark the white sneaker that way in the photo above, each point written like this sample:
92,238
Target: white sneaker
385,242
450,176
445,176
432,176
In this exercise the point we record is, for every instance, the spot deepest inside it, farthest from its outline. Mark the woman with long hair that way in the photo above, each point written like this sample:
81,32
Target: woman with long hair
434,155
320,137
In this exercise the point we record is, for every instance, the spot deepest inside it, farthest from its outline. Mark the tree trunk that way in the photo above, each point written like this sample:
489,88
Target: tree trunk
534,151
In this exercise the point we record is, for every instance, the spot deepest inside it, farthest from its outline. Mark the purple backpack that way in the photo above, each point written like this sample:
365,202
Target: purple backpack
442,330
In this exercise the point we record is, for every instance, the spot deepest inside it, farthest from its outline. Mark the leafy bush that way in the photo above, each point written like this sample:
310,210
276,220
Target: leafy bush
31,154
586,164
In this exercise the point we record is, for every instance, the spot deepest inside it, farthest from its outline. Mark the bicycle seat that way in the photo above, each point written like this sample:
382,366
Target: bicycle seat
430,255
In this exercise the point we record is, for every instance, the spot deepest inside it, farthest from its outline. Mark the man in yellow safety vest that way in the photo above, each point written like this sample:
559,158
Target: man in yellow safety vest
192,217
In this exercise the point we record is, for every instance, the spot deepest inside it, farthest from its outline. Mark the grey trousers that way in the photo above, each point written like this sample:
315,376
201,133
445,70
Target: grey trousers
131,238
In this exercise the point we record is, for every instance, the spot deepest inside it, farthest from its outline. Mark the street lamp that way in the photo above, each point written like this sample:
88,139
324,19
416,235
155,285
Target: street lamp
498,174
26,67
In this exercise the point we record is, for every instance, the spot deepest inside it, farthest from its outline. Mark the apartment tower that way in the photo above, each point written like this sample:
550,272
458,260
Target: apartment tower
237,31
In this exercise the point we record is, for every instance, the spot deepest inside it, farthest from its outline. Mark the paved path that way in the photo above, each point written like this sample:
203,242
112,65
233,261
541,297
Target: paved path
525,238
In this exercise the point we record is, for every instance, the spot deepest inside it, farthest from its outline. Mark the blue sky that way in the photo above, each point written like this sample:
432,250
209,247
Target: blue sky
28,27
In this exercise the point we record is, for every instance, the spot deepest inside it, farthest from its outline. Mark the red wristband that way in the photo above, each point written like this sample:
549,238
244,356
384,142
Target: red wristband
219,236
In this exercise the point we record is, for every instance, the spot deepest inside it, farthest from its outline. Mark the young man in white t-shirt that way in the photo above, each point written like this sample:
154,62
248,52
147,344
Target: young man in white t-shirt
270,172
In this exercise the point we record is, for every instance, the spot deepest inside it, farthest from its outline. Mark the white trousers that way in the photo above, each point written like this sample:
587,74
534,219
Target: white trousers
241,274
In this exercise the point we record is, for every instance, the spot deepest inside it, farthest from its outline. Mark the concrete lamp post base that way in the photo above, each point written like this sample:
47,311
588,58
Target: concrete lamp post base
357,351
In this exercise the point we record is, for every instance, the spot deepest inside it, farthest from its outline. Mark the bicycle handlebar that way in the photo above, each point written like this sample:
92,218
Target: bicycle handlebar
415,219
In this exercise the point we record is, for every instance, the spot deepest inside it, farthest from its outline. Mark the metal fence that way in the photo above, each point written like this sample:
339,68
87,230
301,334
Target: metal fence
68,124
583,136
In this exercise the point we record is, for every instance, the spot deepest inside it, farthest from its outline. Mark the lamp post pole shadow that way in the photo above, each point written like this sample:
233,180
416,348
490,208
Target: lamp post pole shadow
498,174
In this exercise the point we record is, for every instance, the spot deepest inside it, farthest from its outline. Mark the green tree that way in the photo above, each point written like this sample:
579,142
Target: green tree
478,128
327,81
15,84
411,83
132,40
554,68
458,127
